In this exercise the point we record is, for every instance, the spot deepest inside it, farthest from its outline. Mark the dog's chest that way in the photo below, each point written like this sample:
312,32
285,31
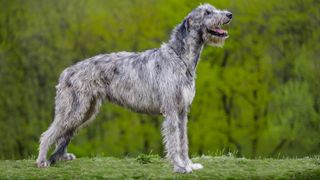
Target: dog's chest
188,93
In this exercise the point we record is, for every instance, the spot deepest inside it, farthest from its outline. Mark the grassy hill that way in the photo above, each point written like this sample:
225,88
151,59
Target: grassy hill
153,167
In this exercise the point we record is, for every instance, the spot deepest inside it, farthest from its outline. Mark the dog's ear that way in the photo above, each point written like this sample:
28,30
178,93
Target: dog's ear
185,27
186,23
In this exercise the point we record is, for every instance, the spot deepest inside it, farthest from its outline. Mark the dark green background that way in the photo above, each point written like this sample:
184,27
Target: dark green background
257,96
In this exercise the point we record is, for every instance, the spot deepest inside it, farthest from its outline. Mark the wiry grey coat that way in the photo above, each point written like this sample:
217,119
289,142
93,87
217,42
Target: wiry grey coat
157,81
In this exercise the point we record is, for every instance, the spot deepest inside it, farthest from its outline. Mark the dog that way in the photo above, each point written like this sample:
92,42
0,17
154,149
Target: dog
157,81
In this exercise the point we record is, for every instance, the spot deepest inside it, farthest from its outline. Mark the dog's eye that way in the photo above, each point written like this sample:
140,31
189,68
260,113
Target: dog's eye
208,12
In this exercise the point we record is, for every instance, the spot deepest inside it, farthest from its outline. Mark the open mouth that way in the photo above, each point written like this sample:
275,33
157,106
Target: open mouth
219,32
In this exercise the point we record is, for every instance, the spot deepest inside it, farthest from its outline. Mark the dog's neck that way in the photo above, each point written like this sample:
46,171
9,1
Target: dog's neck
187,44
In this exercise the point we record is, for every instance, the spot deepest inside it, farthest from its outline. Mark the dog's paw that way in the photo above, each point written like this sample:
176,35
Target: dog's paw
196,166
43,164
186,169
68,157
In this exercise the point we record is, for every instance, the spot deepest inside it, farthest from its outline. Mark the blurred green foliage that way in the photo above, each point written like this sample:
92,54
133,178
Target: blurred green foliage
258,96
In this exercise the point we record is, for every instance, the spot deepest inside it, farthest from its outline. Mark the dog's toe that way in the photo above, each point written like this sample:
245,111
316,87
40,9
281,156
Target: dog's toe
68,157
196,166
43,164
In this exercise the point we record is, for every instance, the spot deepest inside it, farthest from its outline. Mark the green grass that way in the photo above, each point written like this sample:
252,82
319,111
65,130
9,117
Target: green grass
153,167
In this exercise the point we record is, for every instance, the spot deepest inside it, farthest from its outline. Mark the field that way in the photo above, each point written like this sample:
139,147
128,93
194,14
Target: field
154,167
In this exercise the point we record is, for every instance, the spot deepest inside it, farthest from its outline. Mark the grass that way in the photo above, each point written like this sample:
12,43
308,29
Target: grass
154,167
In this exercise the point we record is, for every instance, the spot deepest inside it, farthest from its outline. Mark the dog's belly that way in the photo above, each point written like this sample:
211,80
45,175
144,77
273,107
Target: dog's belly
138,97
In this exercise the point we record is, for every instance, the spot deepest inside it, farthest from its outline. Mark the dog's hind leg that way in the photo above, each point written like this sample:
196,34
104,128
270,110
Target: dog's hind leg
47,139
81,115
60,152
61,148
73,109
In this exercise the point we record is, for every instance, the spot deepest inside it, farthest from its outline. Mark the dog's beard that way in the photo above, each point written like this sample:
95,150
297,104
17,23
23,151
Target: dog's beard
214,40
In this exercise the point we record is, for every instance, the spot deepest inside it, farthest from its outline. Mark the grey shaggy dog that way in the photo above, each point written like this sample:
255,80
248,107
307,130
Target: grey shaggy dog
157,81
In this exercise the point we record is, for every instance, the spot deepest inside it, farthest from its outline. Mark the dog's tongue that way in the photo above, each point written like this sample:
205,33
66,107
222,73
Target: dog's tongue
219,30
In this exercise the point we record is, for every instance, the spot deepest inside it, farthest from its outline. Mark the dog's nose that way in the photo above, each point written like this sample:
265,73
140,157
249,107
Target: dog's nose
229,15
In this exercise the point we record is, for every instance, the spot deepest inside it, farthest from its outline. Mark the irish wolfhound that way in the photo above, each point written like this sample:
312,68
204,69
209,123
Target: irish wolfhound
157,81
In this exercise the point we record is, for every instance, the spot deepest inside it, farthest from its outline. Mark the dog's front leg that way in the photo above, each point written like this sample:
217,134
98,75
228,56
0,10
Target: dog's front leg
171,134
183,121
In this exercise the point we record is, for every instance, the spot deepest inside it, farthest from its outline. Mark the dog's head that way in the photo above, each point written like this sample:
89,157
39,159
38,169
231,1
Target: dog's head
208,22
